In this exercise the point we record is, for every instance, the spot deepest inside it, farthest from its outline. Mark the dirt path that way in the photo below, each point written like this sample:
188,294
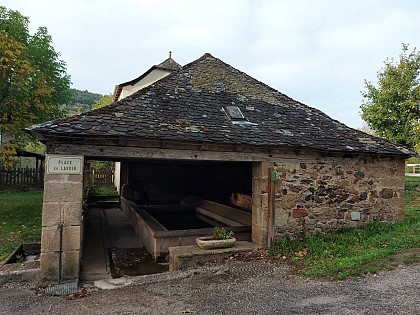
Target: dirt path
235,288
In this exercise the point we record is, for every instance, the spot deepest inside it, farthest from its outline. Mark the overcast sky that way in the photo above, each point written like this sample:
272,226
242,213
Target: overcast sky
317,52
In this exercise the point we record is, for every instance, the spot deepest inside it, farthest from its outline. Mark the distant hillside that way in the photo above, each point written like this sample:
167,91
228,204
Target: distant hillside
81,101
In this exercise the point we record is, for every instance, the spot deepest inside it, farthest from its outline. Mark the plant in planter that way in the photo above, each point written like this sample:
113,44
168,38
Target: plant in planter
221,238
220,233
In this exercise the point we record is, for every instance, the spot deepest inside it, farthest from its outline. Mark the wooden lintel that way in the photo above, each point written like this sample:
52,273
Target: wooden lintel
122,141
220,147
148,143
101,141
167,144
122,153
204,146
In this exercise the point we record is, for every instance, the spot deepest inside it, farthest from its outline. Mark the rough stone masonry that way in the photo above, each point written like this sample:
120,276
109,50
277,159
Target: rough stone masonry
317,195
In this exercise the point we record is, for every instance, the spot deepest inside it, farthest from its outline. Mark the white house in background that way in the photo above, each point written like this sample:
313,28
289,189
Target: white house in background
152,75
122,90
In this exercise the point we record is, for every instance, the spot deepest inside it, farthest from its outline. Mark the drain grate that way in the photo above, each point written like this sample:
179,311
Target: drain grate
251,269
62,289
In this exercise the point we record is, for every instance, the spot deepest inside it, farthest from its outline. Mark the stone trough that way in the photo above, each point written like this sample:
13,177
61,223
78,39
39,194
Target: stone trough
22,264
160,227
24,253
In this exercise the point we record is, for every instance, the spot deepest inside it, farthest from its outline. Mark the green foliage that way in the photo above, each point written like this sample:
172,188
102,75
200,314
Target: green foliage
220,233
104,165
8,158
103,101
356,251
392,109
84,101
103,191
83,97
412,194
411,259
34,83
36,147
81,102
20,214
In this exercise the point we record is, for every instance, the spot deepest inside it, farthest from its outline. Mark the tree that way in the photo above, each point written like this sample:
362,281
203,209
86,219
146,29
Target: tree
392,109
33,80
81,102
103,101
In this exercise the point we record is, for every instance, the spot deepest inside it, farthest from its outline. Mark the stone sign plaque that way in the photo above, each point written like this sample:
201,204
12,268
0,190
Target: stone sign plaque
64,164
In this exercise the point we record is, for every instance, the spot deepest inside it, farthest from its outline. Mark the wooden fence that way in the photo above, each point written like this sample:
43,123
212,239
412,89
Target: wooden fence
22,178
102,178
30,178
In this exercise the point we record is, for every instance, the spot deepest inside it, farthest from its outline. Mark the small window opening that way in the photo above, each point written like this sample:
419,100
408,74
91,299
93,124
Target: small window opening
236,116
234,113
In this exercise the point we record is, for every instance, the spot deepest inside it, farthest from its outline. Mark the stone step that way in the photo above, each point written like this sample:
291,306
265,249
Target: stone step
185,257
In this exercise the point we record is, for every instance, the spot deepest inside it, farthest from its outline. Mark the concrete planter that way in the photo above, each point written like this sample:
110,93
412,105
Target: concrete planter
207,242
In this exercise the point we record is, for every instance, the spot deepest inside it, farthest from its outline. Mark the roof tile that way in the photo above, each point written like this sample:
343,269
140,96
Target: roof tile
187,105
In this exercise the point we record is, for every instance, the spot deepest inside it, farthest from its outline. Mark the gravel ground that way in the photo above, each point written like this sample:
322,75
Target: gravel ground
256,287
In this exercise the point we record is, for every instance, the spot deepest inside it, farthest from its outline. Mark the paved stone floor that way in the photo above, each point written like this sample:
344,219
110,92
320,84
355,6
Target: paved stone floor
105,228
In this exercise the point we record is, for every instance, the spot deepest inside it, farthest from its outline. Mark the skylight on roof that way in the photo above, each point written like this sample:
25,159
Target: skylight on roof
234,113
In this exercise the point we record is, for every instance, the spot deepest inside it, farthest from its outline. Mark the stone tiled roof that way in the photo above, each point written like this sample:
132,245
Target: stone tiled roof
188,105
169,64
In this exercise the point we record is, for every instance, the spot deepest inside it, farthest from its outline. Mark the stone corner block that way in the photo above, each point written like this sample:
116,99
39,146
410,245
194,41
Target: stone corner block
49,267
50,241
51,213
71,238
72,213
71,265
63,192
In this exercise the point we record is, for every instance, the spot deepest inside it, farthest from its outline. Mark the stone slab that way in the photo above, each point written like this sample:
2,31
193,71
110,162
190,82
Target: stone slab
25,275
184,257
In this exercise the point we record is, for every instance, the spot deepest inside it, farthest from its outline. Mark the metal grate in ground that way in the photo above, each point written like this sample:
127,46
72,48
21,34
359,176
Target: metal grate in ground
62,289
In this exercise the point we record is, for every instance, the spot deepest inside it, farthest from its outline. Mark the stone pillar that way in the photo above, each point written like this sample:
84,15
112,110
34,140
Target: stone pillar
62,204
260,185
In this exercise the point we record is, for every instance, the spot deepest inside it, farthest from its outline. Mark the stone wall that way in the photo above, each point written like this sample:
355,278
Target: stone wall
316,193
324,193
62,204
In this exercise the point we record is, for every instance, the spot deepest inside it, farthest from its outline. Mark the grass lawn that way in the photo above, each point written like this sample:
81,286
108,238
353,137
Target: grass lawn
20,214
358,251
103,191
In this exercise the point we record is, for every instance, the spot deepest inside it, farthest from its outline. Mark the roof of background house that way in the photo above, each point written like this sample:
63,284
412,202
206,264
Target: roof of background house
168,64
190,105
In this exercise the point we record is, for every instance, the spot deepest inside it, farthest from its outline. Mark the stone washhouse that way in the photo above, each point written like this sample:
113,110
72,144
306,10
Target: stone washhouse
210,136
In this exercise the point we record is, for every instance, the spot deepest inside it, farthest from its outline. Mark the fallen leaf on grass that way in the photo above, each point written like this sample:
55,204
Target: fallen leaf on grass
302,253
